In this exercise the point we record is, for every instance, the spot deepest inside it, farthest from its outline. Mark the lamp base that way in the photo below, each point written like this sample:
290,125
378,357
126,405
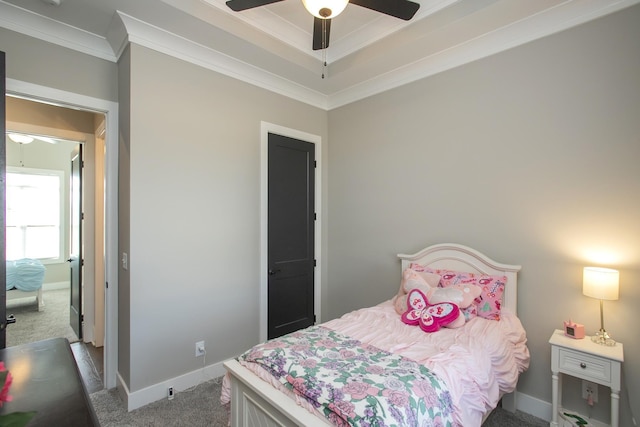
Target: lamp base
602,337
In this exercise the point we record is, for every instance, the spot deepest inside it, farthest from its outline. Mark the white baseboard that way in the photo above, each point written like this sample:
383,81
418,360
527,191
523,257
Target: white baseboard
533,406
53,286
134,400
137,399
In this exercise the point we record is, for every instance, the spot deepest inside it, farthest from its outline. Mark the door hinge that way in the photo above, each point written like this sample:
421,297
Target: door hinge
315,164
315,216
82,216
314,262
314,318
106,285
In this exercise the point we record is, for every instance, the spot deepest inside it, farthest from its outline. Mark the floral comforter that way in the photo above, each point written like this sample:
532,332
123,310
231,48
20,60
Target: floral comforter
353,384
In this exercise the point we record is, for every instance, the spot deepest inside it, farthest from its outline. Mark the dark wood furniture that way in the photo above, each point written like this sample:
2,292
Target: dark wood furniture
46,379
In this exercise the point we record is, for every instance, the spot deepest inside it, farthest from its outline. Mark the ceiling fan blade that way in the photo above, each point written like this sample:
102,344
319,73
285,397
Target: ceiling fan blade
321,29
403,9
239,5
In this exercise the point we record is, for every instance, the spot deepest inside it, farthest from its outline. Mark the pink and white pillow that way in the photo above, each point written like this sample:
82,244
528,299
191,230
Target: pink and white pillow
489,302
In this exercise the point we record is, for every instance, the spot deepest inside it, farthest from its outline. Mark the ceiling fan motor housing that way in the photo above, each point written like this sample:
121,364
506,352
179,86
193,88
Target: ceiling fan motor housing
325,9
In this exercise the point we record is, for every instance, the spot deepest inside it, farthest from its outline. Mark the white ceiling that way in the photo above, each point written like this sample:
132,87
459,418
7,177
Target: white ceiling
270,46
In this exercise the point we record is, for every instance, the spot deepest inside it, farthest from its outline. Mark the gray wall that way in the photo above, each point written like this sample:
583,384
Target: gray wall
194,211
34,61
530,156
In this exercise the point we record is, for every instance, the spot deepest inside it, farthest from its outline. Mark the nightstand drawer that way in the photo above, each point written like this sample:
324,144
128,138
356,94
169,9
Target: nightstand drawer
585,367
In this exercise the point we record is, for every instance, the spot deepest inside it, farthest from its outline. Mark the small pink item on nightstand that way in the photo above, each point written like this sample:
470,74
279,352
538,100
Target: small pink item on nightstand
573,330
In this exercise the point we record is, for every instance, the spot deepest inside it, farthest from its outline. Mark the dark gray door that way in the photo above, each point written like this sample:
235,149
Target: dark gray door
3,264
291,216
75,260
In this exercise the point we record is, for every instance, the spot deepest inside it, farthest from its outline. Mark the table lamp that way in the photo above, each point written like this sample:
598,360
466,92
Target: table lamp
601,283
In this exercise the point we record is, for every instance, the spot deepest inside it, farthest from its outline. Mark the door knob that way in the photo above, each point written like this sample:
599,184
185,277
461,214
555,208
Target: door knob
274,271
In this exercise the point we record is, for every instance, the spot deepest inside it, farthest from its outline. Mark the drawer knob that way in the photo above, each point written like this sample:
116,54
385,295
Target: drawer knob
583,365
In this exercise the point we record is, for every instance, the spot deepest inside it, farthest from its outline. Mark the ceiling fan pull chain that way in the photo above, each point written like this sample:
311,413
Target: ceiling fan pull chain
324,61
21,155
324,46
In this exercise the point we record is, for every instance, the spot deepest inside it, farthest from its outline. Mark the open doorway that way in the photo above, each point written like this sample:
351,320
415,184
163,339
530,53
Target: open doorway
41,139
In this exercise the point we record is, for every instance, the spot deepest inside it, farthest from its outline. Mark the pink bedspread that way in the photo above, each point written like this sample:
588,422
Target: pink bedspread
478,362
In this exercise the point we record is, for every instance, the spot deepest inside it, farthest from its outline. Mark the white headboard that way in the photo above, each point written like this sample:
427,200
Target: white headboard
462,258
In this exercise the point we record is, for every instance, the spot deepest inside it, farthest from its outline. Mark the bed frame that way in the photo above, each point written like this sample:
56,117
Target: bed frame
15,294
256,403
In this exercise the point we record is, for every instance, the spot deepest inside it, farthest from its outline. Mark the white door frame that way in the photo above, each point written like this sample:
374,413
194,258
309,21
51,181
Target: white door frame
265,129
110,110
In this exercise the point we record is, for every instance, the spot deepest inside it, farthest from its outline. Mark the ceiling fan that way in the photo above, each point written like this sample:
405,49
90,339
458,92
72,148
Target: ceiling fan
324,10
21,138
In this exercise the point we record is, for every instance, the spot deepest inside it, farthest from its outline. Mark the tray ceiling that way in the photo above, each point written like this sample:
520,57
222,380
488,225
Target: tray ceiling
270,46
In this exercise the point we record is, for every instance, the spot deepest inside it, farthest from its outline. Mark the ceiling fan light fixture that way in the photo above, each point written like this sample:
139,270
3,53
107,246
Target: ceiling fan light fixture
325,9
20,139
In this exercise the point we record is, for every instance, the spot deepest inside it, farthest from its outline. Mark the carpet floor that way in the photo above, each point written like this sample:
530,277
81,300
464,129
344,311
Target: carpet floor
33,325
200,406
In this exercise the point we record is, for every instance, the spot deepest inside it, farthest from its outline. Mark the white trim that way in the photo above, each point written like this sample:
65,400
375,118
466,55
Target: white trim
286,31
534,406
265,129
155,38
534,27
41,27
110,109
158,391
62,229
125,28
528,404
55,286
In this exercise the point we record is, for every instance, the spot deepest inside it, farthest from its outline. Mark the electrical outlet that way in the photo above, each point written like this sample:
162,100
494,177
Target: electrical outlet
170,393
200,350
590,388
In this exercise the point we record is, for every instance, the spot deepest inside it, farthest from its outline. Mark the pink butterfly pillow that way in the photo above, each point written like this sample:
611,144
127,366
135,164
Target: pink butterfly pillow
430,317
412,279
488,303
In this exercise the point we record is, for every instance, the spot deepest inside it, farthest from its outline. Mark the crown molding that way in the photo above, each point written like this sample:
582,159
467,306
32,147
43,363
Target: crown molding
126,29
381,28
264,20
155,38
40,27
550,21
284,30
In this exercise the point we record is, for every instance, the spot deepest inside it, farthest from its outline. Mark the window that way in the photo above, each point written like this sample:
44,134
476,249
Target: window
34,213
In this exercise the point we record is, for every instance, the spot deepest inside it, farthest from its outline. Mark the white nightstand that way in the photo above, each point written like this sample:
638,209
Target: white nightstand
586,360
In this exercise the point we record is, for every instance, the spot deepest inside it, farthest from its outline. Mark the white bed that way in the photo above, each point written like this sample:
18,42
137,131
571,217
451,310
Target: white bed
17,294
255,402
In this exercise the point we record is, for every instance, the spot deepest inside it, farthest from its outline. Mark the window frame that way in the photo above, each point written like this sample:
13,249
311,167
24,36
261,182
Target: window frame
62,224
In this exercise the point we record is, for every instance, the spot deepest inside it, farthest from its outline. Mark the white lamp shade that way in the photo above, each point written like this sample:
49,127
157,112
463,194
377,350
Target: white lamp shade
600,283
315,6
